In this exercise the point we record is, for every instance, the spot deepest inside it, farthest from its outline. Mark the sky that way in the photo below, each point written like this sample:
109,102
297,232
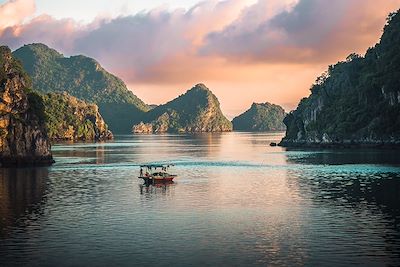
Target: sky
245,51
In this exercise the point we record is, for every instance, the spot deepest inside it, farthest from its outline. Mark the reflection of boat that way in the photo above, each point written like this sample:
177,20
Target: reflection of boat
156,174
155,188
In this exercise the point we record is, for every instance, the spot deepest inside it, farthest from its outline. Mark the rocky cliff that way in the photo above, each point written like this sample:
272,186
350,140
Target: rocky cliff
261,117
68,118
356,102
86,79
198,110
23,139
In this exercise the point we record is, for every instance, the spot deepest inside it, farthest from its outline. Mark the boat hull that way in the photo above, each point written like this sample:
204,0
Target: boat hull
166,179
158,179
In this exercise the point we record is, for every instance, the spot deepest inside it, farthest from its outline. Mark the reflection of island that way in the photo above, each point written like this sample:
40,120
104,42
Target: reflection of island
204,144
376,189
379,189
372,198
359,183
21,193
100,157
95,153
166,146
338,157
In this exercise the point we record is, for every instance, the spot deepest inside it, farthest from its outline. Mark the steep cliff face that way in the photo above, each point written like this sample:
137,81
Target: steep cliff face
356,102
198,110
68,118
86,79
23,139
261,117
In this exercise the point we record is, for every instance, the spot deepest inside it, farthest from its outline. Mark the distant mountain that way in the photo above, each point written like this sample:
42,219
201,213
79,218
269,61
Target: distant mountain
68,118
356,102
198,110
261,117
85,79
23,138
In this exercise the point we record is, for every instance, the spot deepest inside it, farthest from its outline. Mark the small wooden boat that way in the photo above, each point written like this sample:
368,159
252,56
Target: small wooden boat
156,174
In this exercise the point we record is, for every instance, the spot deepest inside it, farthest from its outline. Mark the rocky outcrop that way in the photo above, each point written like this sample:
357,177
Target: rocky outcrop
198,110
261,117
23,139
142,128
356,102
69,118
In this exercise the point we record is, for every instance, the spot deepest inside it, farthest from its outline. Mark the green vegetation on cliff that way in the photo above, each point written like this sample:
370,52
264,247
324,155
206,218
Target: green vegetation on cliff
85,79
68,118
198,110
23,138
261,117
357,100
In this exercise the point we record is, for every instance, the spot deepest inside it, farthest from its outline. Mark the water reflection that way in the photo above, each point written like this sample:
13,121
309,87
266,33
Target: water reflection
155,188
363,205
237,202
21,195
341,157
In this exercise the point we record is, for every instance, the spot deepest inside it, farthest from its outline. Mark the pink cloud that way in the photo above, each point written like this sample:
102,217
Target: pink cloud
157,46
60,34
15,11
131,46
309,31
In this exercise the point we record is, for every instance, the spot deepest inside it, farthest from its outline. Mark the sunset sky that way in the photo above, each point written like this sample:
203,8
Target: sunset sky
244,50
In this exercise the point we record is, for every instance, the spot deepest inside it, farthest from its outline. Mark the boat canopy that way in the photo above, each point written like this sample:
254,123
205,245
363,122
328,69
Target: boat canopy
152,166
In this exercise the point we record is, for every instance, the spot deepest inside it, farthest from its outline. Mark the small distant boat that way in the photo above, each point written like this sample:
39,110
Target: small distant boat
156,173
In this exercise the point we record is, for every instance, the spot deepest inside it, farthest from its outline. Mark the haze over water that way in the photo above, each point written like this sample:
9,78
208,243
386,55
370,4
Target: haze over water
237,202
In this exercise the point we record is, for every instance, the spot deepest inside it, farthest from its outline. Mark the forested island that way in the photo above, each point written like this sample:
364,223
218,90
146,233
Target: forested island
198,110
84,78
356,102
261,117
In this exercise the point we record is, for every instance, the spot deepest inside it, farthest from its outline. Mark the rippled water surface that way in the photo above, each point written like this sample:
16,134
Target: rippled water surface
237,202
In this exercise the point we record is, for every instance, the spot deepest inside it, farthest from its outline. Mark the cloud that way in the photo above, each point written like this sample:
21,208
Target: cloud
135,47
307,31
60,34
15,11
149,46
160,45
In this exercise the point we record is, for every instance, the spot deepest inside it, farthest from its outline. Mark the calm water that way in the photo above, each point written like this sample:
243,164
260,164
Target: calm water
237,202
